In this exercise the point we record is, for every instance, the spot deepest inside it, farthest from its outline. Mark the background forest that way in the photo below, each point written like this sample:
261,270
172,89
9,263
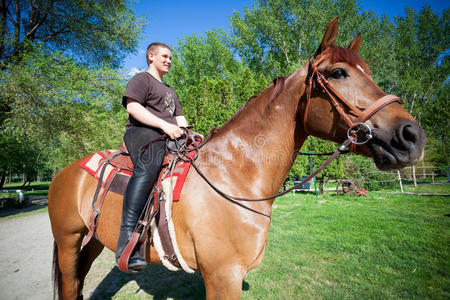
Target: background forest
61,81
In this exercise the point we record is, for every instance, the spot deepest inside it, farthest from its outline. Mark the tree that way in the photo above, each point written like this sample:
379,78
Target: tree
422,67
60,107
196,57
59,92
422,62
209,104
275,35
92,31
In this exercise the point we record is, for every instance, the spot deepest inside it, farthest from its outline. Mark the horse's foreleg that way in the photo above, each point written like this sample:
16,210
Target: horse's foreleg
87,256
223,283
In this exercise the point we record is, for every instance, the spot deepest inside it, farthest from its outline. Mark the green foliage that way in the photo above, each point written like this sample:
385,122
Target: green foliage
95,32
274,37
58,110
196,57
58,93
423,65
209,104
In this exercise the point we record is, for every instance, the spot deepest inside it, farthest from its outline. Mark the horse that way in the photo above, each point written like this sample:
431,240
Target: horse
249,157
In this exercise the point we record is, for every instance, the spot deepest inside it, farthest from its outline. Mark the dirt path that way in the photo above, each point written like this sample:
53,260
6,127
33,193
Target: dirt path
26,254
25,268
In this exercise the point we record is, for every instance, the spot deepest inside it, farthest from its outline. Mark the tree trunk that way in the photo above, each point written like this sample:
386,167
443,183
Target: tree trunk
2,179
322,186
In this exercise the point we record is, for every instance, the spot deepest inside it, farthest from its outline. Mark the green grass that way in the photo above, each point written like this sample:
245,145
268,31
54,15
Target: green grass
25,213
382,246
385,246
435,189
43,185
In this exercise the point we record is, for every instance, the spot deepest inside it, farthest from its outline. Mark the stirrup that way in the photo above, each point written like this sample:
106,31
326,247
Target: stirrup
124,263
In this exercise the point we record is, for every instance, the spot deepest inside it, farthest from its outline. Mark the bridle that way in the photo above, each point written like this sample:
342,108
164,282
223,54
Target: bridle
337,100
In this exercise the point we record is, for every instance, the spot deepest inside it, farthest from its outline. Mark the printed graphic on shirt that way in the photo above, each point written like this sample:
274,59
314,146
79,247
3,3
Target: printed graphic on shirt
170,103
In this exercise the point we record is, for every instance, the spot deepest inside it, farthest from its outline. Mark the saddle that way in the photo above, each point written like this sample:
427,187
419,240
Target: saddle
113,170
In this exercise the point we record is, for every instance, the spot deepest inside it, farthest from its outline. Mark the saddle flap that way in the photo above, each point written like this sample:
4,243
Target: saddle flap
123,162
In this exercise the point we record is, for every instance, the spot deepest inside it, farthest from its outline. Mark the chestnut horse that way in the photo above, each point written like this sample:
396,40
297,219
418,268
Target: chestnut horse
249,156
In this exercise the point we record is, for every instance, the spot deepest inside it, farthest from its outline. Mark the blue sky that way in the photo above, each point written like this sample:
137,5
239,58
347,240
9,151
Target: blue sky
170,20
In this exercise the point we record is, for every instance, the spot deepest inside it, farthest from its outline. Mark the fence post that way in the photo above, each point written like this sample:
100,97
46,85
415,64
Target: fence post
400,180
414,176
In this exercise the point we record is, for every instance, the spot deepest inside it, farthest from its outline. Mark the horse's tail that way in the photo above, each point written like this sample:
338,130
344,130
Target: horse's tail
57,283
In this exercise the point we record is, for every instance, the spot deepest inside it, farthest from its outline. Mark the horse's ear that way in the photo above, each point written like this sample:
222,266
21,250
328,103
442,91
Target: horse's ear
355,45
329,37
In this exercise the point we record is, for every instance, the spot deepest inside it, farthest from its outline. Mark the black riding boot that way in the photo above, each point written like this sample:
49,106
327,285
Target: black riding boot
134,200
136,195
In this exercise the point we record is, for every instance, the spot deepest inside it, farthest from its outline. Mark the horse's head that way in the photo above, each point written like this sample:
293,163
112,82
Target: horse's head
342,93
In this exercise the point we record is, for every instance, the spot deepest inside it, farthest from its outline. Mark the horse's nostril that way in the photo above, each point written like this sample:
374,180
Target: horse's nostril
410,134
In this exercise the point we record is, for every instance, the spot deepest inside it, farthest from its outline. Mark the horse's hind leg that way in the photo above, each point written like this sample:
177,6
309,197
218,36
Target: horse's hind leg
68,258
75,264
87,256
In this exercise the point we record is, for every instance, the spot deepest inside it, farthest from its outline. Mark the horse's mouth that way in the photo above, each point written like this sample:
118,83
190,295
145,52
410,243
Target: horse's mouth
388,157
384,159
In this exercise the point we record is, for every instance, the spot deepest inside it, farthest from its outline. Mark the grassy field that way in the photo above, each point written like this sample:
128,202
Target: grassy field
383,246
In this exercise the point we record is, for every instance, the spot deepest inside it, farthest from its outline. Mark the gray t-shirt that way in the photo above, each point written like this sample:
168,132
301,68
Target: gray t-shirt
157,97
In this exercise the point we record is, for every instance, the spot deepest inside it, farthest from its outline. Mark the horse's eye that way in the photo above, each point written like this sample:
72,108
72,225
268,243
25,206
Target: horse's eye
339,73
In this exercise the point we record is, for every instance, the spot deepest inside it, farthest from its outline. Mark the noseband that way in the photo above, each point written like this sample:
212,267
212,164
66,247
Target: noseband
338,101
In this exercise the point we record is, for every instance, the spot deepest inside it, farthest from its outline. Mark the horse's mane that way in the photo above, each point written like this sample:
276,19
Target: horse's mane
276,86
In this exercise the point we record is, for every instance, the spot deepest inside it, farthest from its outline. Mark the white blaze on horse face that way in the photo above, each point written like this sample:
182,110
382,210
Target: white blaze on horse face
359,67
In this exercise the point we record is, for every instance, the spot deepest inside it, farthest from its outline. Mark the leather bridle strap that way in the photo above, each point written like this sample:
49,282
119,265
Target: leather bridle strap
376,106
336,99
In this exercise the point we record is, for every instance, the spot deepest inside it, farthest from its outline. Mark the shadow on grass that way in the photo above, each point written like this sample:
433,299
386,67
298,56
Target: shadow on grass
6,212
154,280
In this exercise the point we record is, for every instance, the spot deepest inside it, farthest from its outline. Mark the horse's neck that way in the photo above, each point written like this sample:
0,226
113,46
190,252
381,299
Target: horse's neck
265,134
